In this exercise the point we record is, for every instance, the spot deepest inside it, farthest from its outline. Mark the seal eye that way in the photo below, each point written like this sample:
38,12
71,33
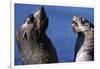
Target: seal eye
31,19
84,20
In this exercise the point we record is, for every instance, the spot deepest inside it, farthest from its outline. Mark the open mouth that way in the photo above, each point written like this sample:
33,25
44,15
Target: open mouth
75,23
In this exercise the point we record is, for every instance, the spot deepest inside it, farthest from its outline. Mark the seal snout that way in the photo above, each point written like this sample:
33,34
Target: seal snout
40,13
75,21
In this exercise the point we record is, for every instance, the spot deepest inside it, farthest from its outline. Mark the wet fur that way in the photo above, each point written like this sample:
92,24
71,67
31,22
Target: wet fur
84,48
34,45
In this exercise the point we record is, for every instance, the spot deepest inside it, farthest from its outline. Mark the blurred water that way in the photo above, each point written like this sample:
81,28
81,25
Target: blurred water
59,29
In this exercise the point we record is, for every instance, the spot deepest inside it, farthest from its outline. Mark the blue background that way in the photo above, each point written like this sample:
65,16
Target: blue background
59,30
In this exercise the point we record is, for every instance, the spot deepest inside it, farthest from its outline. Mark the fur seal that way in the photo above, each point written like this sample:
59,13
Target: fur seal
84,48
34,45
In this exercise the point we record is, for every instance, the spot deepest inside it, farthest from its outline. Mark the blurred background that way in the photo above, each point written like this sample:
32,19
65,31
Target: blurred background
59,29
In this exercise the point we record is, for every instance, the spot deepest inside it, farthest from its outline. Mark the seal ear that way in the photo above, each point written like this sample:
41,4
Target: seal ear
24,36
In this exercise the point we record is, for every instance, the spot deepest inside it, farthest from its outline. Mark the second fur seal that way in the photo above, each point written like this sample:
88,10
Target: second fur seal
84,48
33,43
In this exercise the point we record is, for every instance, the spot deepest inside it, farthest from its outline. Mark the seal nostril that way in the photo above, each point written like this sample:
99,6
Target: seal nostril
75,23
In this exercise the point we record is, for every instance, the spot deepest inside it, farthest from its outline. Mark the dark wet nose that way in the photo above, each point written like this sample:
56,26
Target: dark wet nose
42,12
73,22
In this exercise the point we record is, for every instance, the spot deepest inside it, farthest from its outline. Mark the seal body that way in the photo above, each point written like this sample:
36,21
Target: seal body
84,48
34,45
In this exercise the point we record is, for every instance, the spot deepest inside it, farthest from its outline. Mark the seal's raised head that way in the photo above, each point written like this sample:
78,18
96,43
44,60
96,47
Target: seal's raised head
34,45
80,24
35,24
